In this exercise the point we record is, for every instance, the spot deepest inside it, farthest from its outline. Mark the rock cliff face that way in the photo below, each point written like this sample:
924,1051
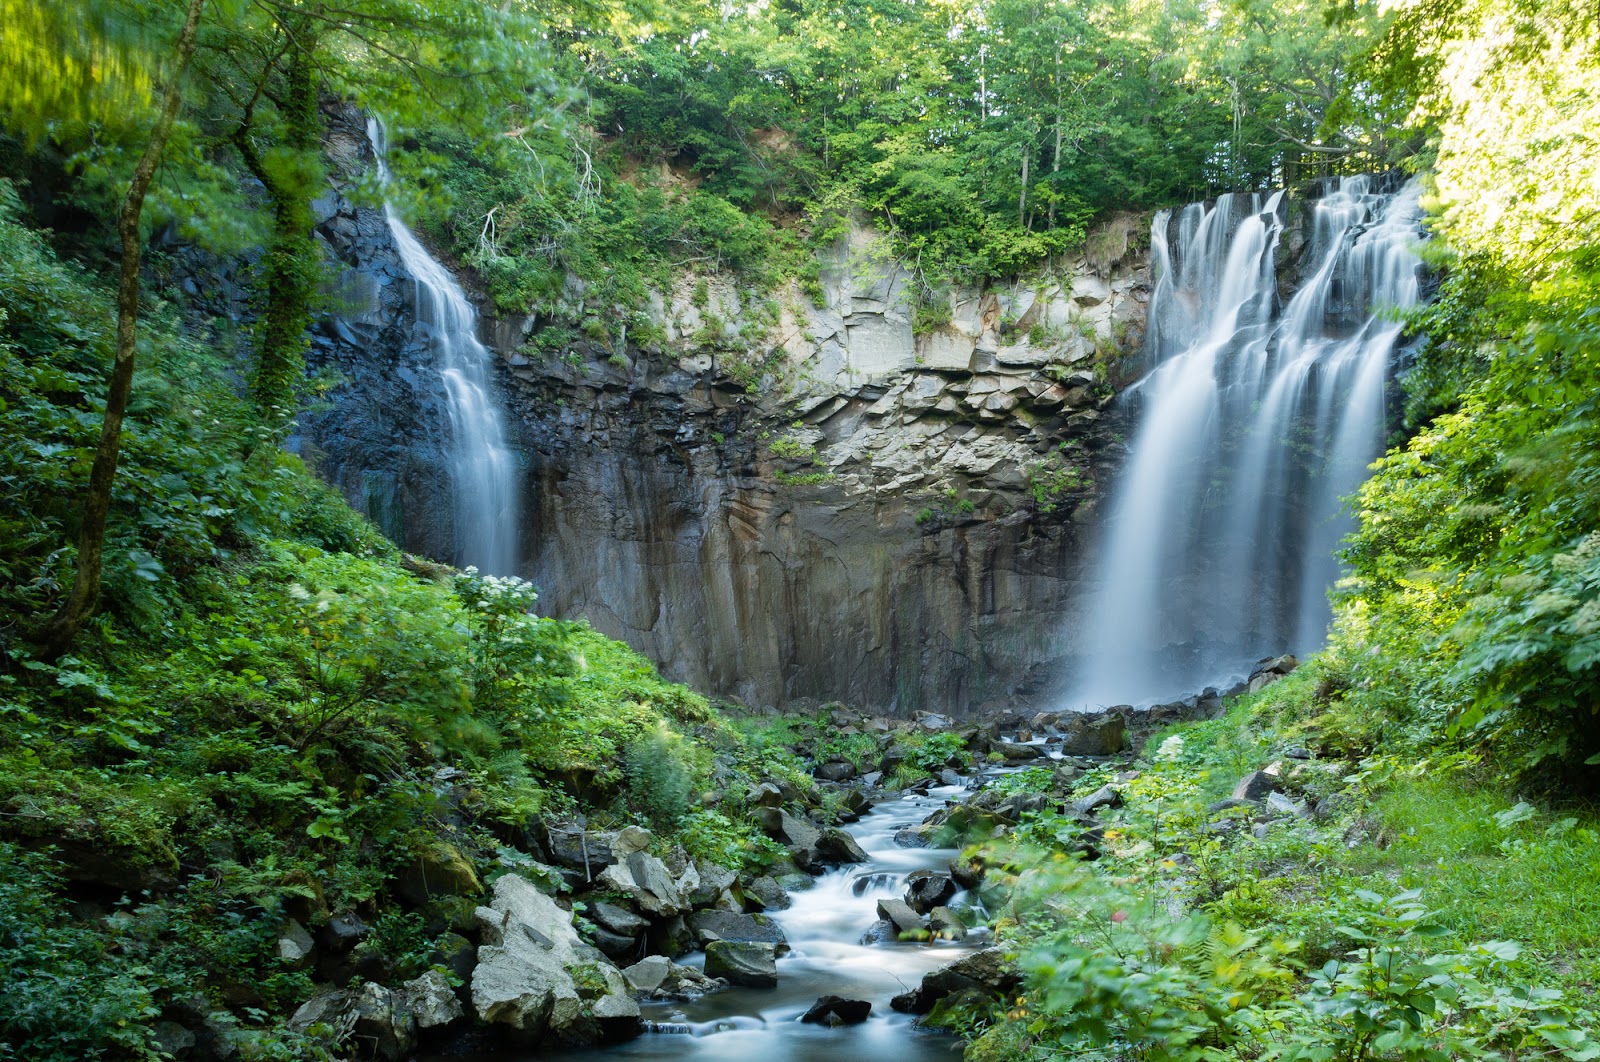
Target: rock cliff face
779,499
894,521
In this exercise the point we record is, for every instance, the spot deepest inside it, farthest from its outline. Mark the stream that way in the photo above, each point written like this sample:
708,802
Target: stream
824,927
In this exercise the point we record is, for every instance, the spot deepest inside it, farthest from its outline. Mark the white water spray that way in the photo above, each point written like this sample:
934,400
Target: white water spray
482,468
1220,540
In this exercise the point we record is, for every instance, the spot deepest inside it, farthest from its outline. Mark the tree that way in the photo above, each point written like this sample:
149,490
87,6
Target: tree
84,596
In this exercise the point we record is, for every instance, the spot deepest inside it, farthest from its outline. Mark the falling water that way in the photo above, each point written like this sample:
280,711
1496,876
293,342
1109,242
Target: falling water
482,469
1220,540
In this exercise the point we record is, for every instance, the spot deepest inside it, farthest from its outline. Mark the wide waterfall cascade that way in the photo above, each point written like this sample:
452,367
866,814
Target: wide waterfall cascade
482,467
1219,543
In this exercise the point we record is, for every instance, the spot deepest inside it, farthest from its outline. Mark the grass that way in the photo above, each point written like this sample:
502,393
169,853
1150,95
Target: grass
1536,881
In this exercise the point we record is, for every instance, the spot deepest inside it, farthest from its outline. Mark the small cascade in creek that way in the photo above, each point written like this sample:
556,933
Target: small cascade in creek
1219,542
482,467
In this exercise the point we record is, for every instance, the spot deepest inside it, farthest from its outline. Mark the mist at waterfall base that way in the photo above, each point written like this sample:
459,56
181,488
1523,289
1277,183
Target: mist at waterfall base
1253,425
483,471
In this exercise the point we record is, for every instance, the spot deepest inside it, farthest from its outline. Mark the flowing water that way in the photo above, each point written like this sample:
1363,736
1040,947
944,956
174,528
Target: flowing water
482,468
824,927
1253,425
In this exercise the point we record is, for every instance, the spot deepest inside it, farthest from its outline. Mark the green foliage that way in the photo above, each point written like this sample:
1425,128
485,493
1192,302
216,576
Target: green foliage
1053,481
62,1005
1181,941
928,752
660,774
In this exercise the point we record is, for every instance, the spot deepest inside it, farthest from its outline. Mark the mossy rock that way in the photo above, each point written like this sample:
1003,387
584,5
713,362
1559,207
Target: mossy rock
440,869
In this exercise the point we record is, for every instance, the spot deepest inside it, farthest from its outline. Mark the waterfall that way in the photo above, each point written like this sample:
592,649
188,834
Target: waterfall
1219,542
482,469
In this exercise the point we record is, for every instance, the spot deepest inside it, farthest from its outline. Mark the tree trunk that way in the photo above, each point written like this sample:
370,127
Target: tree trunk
291,265
1022,197
58,633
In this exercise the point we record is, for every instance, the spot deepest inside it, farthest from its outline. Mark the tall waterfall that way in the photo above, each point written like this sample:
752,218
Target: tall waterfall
482,468
1220,541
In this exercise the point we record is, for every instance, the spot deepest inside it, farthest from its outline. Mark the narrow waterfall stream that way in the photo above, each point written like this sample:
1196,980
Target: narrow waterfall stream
1220,541
482,468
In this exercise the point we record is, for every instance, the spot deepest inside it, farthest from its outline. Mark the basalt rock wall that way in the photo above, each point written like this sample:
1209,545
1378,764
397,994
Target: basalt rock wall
842,509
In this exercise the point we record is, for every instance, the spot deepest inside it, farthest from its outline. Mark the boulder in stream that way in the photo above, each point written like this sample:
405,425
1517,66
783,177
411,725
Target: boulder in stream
927,889
751,963
987,972
708,926
834,1011
946,924
765,894
836,847
658,977
901,915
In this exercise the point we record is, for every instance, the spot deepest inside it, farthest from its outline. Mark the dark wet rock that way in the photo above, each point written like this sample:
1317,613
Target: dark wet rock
615,946
927,889
671,937
1257,785
1229,804
881,932
1015,752
856,802
837,847
835,771
750,963
449,914
456,954
904,918
1105,736
118,867
342,932
616,918
173,1040
1104,797
708,926
1282,665
967,873
766,795
1019,804
946,924
367,961
986,972
766,894
586,853
836,1010
916,836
